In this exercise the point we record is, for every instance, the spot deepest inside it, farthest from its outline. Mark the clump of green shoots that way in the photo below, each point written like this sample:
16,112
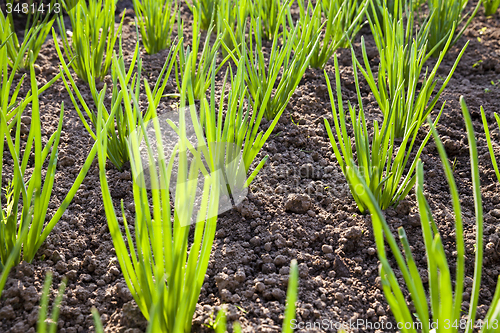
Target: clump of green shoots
93,37
490,7
262,74
35,34
44,324
156,21
488,139
160,254
206,9
27,227
237,132
381,161
269,12
445,303
199,67
10,102
447,16
347,15
231,21
401,88
342,22
119,129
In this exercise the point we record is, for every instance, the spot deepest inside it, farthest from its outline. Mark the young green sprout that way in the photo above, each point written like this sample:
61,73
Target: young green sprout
231,22
200,67
381,161
490,7
35,34
269,12
401,88
28,226
238,130
156,21
343,21
219,323
93,37
447,16
488,139
120,127
10,101
444,300
206,9
262,74
160,251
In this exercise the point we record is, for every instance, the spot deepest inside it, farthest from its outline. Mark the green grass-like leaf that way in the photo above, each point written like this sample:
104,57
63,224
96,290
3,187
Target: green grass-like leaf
445,303
93,37
490,7
380,160
447,17
156,20
401,87
341,23
35,34
488,139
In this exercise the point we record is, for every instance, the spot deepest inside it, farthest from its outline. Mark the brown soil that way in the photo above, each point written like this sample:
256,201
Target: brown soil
254,244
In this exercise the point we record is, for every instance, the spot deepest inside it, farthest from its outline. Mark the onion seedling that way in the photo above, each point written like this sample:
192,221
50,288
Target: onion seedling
488,139
44,324
490,7
381,163
93,37
43,321
28,226
231,21
206,9
445,301
269,12
397,87
343,21
9,103
237,132
261,77
119,130
15,252
199,68
35,34
156,21
159,252
447,16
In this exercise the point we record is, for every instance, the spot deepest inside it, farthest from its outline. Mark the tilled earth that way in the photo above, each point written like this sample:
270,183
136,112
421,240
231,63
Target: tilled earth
299,207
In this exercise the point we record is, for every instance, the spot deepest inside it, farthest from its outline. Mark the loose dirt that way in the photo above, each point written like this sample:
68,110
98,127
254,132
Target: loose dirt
299,207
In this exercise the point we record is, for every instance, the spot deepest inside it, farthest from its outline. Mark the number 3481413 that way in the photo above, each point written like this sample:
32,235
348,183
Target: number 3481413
33,8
